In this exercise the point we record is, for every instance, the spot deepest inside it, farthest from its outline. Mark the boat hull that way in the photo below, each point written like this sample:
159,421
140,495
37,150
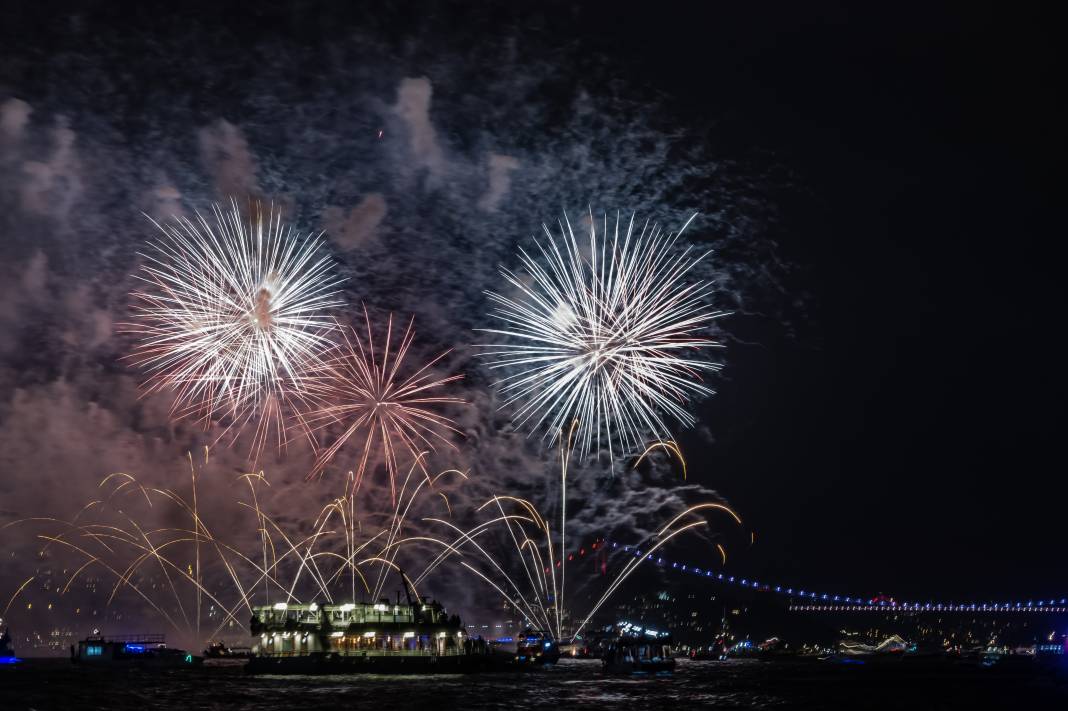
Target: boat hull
375,664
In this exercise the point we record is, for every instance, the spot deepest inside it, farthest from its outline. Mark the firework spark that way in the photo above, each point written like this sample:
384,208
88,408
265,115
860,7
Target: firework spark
231,316
158,546
161,548
375,404
530,570
601,336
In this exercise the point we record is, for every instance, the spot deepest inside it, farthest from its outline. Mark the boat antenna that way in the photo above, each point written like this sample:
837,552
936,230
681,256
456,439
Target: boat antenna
405,582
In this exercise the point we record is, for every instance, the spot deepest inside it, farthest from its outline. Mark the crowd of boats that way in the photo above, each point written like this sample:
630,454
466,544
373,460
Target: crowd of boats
419,636
889,649
412,637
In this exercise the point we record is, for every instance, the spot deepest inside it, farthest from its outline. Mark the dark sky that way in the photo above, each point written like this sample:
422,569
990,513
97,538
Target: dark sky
911,445
890,413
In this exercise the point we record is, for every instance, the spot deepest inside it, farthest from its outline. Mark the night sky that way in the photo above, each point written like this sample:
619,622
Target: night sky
878,190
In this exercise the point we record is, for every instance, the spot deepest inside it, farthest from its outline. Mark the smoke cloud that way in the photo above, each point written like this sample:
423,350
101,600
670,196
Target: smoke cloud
425,173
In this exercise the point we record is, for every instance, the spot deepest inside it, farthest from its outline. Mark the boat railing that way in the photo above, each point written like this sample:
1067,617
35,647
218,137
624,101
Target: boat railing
131,638
452,652
404,653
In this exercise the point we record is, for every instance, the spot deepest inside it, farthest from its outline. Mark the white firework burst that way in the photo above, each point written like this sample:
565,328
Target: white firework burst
232,315
605,336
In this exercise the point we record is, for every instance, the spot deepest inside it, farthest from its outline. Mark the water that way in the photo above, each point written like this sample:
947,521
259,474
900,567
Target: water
744,684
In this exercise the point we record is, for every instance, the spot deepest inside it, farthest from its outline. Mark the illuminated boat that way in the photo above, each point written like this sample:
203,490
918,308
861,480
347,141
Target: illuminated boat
577,649
380,638
140,650
532,647
220,650
638,651
7,656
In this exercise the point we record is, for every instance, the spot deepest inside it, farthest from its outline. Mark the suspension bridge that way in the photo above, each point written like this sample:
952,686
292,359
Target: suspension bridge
805,600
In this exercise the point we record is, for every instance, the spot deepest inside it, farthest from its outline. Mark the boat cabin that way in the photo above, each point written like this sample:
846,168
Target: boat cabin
146,648
637,649
383,628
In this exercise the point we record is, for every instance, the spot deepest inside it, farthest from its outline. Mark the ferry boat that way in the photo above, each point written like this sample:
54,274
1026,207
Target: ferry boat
142,650
638,651
381,638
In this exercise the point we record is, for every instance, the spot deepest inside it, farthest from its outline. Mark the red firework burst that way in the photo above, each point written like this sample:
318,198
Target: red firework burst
373,405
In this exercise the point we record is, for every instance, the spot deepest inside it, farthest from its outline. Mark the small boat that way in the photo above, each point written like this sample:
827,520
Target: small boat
7,655
220,650
139,650
638,651
534,647
577,649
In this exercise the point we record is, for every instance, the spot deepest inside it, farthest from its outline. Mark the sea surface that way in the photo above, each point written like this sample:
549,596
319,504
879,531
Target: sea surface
743,684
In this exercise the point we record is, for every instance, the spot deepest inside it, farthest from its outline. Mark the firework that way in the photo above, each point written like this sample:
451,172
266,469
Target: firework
376,402
530,570
159,547
231,316
191,567
602,335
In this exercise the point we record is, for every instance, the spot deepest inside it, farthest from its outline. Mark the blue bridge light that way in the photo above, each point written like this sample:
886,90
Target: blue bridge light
861,603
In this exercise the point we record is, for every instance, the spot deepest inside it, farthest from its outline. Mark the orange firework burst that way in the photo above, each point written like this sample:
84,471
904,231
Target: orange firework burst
367,396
